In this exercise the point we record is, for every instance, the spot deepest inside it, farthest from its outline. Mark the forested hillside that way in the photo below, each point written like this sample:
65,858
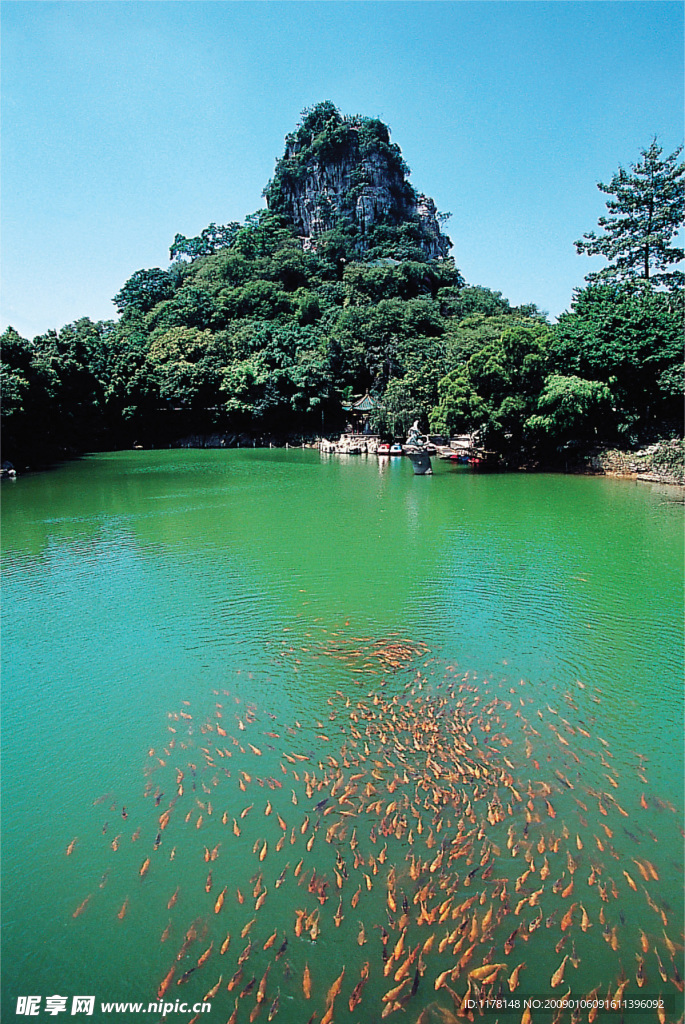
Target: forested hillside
342,286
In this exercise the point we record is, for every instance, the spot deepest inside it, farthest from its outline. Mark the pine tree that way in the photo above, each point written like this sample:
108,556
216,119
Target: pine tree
647,212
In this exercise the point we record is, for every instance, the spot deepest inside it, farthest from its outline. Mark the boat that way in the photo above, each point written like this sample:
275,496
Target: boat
482,459
419,451
396,449
383,449
420,460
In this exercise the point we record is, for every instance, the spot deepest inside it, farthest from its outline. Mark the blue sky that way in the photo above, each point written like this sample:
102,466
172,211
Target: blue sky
126,122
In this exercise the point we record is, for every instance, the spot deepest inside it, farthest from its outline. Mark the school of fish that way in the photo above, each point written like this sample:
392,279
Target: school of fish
435,838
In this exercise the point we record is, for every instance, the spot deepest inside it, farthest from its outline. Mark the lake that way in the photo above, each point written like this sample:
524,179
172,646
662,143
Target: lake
457,700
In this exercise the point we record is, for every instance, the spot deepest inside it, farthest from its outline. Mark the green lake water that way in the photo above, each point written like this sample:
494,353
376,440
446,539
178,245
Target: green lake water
269,593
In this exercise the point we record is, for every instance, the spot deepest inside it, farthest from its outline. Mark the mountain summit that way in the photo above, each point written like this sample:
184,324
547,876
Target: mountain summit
343,174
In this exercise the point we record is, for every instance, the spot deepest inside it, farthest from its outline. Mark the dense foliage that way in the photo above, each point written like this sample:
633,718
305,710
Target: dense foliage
248,331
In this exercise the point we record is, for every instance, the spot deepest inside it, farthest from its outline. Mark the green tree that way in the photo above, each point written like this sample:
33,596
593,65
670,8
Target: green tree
643,218
211,240
497,388
144,290
630,338
29,388
570,408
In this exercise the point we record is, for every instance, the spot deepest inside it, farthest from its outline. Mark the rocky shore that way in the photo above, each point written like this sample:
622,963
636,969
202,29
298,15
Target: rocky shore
662,462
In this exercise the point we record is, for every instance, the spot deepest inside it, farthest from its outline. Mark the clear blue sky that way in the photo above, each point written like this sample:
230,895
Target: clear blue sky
126,122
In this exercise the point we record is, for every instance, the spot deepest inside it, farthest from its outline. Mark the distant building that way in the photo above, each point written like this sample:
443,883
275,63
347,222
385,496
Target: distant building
359,413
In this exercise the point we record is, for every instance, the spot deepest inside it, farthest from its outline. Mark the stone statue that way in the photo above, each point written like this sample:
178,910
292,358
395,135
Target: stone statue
415,439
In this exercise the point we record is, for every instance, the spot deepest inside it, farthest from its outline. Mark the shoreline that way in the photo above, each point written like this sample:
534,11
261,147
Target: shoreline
624,465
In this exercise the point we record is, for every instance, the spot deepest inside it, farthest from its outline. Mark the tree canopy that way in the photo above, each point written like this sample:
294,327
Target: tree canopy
249,330
646,213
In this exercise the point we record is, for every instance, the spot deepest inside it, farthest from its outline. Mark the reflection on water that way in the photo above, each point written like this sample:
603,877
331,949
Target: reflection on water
467,648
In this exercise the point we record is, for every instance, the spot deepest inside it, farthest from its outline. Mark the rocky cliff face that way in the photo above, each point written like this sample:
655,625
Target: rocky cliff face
340,172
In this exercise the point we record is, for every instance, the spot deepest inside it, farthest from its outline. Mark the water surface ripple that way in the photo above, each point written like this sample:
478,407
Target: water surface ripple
133,582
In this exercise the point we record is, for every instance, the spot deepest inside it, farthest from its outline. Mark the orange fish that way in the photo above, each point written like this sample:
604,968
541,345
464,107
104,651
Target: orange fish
307,982
391,996
213,990
144,867
70,848
334,990
206,955
220,900
164,985
124,908
261,991
356,996
235,980
558,975
513,979
81,907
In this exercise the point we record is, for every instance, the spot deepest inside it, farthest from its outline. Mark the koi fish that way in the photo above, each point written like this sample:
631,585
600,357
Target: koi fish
513,978
334,990
235,980
391,996
261,991
248,988
558,975
206,955
81,907
173,898
213,990
630,881
166,981
220,900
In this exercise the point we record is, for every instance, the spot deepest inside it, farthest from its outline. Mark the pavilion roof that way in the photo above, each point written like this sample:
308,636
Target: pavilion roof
363,404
